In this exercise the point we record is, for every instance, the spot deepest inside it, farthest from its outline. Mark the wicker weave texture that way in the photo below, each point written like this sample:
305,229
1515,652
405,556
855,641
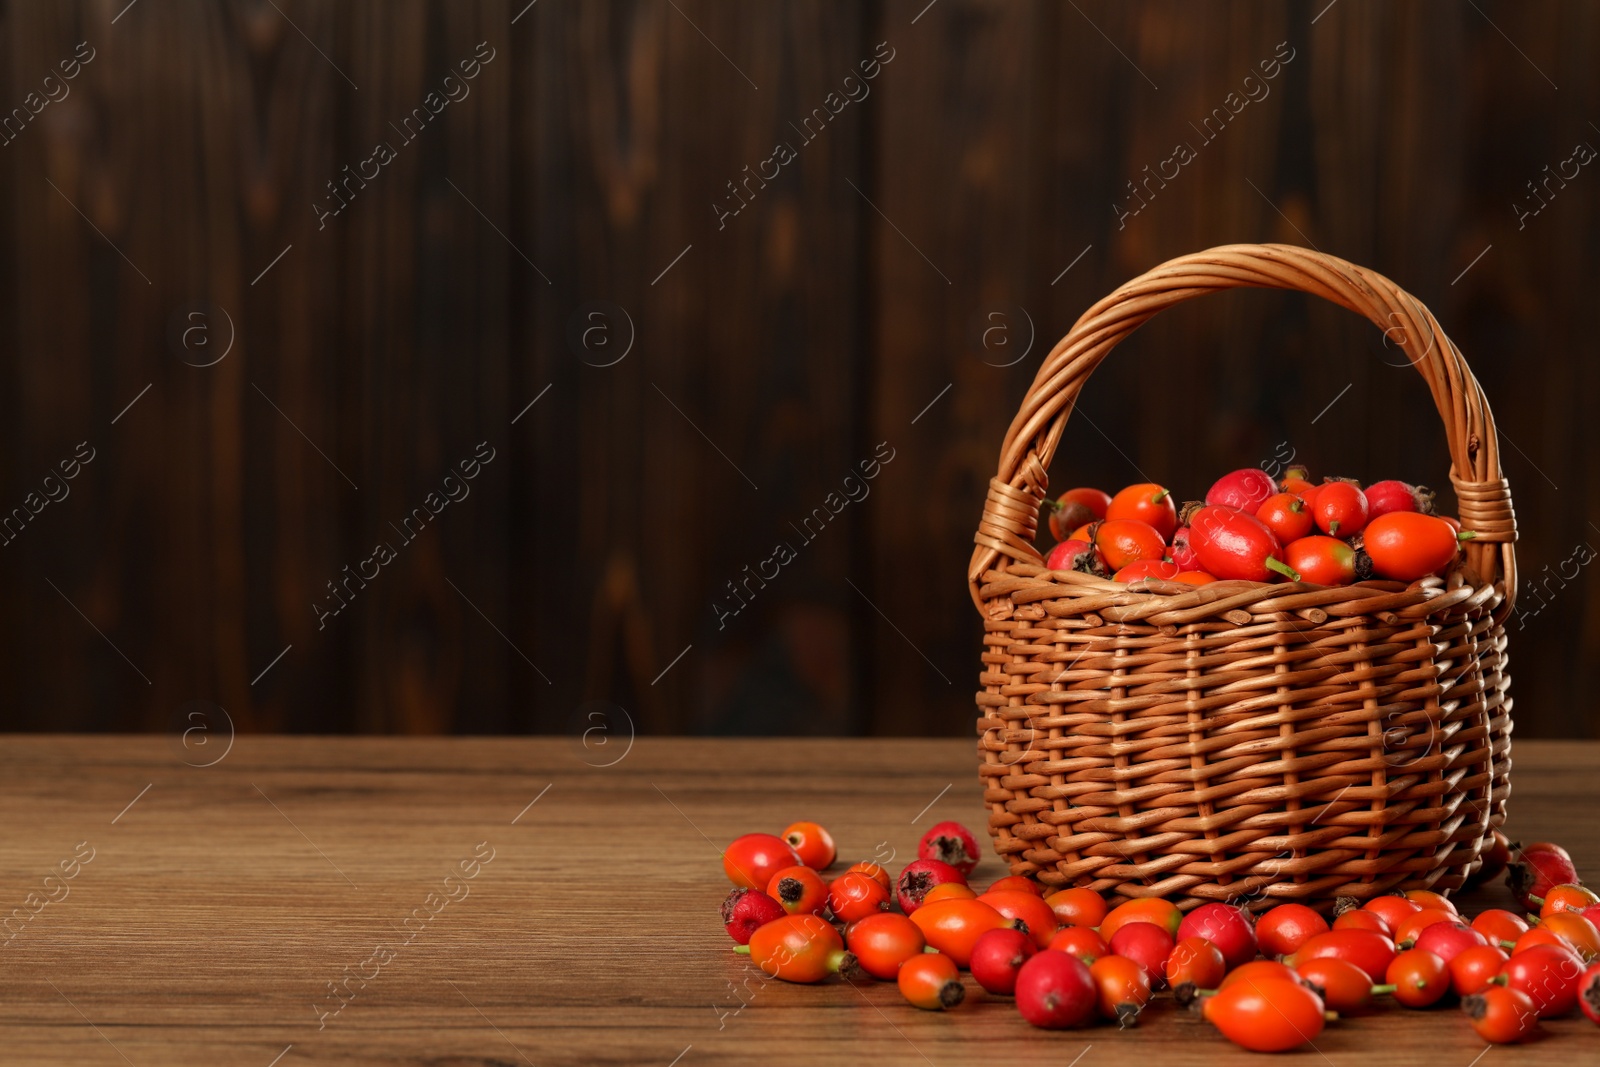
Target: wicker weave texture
1238,741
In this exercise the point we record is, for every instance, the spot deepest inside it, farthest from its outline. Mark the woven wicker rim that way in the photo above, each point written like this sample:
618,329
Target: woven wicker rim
1011,512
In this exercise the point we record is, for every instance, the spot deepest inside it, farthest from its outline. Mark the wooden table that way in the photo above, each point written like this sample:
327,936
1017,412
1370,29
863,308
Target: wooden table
571,907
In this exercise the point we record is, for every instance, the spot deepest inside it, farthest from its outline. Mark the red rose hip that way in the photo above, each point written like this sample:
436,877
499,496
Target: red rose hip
1227,927
919,877
952,843
1246,489
997,959
753,859
1055,991
747,910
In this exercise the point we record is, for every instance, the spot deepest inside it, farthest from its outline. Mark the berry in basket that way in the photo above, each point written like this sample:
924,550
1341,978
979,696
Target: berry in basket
1075,508
1253,529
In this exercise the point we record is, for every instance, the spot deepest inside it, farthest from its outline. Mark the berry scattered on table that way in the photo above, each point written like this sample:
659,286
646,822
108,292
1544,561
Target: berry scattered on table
1268,977
919,877
813,844
952,843
745,910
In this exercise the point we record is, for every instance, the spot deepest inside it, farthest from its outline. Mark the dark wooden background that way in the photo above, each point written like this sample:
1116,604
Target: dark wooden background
847,305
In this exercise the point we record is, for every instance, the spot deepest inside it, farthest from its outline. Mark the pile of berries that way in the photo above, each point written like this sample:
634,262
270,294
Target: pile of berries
1268,982
1252,528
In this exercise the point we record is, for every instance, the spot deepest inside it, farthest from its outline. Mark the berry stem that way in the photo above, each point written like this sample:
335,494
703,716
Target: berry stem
743,950
1380,990
1276,564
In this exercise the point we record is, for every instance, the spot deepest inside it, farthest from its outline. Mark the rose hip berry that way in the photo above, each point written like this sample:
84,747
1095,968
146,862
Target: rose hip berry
1568,897
931,982
954,926
1236,545
1589,993
1286,927
799,889
1361,919
921,876
1017,882
1340,510
1418,977
854,895
1122,988
951,843
1473,969
1030,908
753,859
1181,552
1272,1015
1384,497
1075,508
883,942
1225,926
1538,869
949,891
1083,942
1576,931
1370,951
1343,987
1245,489
1194,964
1501,1015
813,844
1286,516
746,910
1497,925
1075,555
1448,940
1548,975
801,948
1146,944
1148,503
1077,906
1055,991
1427,898
997,958
873,871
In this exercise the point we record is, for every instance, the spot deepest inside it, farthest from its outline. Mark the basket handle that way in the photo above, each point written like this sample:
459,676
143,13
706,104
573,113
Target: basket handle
1011,512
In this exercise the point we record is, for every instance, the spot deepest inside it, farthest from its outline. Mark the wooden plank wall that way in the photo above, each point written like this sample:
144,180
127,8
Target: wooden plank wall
887,289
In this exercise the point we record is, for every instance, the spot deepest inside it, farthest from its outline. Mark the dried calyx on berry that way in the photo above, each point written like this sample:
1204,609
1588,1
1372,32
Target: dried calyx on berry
790,890
1364,571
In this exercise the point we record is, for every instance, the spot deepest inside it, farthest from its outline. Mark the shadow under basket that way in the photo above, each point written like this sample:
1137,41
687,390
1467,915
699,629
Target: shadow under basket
1241,741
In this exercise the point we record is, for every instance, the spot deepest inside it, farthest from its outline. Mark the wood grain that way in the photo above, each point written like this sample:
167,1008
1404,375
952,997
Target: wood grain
218,907
427,315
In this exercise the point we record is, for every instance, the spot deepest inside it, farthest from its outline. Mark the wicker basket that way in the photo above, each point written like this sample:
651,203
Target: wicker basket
1239,741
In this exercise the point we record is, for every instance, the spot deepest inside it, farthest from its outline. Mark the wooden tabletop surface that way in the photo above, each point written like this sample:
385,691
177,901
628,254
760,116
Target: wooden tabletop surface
165,913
